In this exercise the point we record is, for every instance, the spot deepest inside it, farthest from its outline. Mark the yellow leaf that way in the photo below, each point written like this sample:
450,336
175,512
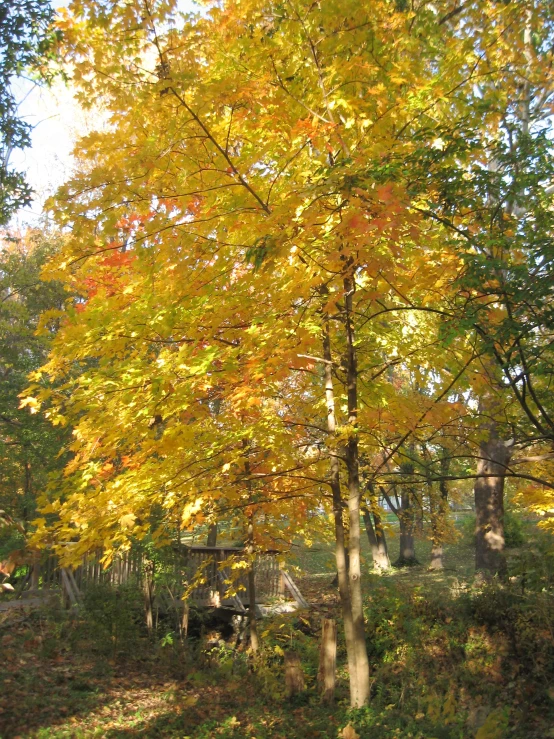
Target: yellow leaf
127,521
349,732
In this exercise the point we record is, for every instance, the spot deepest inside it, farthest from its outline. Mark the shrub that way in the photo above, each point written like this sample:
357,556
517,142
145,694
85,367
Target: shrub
112,618
514,529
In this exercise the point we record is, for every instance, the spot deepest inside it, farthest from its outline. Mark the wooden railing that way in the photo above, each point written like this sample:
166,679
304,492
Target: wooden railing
215,582
213,576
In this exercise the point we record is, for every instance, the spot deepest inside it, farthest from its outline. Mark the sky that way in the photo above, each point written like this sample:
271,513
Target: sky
58,122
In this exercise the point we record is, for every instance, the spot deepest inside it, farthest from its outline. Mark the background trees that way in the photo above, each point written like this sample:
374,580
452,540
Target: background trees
30,446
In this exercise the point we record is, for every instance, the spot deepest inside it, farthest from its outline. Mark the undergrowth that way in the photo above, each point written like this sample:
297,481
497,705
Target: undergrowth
448,660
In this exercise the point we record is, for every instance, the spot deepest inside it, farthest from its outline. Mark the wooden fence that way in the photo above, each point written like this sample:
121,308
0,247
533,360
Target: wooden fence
209,576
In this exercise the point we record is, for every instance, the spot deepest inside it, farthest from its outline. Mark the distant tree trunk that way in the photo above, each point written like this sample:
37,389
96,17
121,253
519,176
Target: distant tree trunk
211,541
437,556
438,517
377,541
184,626
35,571
384,560
418,517
404,514
406,555
328,660
27,496
495,455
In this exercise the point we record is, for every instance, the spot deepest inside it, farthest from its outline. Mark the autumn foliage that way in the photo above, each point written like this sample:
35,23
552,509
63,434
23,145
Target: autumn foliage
277,240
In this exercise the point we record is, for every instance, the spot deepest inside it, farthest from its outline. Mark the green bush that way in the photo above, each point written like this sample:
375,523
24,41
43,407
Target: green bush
437,659
514,529
112,619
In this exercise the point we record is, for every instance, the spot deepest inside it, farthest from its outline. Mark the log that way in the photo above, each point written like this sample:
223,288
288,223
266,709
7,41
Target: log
328,660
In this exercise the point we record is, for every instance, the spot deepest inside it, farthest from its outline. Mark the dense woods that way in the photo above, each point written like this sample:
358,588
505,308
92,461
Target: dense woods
297,297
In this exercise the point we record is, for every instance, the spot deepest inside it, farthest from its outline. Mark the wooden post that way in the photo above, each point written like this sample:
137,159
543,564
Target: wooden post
328,660
282,587
185,620
148,586
291,586
69,587
252,621
254,643
294,676
35,571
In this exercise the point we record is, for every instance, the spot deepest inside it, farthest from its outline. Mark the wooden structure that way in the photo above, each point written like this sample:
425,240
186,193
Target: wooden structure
208,577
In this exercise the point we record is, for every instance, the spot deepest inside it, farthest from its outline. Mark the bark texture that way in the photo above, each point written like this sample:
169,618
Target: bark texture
252,620
489,505
439,513
359,696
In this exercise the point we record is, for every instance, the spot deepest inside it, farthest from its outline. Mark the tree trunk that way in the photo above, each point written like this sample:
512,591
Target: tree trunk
148,588
184,626
489,505
211,541
335,581
35,571
406,555
361,695
328,660
340,549
377,541
27,497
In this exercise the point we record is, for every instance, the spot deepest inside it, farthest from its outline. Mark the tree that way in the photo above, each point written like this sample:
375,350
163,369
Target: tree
26,42
256,267
29,445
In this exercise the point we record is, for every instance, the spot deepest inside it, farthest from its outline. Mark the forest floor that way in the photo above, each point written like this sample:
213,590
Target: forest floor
447,662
